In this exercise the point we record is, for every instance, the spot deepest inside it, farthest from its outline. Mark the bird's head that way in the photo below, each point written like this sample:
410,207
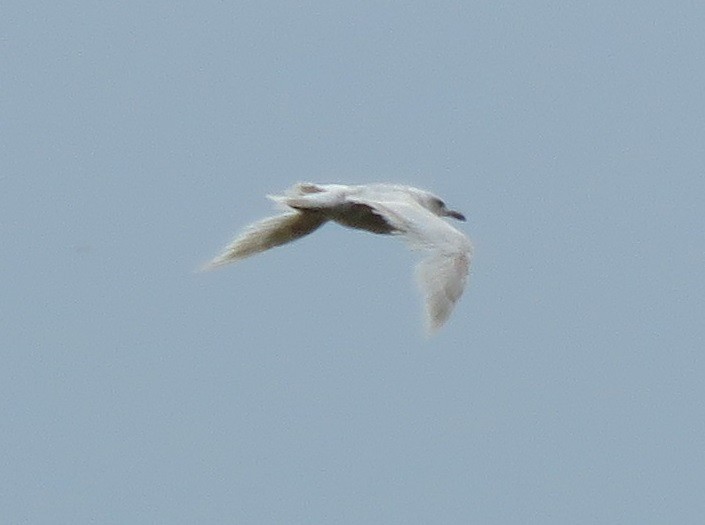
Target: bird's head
436,205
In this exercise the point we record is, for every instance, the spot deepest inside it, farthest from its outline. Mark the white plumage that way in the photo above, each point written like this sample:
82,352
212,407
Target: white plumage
379,208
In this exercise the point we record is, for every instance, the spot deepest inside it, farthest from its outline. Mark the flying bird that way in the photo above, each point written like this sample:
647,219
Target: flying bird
391,209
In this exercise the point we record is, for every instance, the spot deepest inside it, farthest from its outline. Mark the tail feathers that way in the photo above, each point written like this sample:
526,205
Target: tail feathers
303,188
295,197
266,234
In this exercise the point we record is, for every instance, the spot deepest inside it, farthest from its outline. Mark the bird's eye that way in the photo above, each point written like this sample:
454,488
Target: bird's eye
439,203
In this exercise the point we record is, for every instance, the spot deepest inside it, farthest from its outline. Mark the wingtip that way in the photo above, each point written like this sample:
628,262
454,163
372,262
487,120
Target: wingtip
205,267
212,265
432,327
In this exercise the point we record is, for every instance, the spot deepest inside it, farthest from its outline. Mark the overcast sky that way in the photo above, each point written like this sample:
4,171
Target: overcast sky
298,387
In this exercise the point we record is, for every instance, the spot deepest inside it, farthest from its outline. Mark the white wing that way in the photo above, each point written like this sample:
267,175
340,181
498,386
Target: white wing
442,274
267,234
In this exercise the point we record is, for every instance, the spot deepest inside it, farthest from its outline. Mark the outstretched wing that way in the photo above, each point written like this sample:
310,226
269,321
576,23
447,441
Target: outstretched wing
442,278
443,273
266,234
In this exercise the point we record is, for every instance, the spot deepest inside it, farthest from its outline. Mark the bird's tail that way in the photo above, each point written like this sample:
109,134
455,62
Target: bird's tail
299,196
266,234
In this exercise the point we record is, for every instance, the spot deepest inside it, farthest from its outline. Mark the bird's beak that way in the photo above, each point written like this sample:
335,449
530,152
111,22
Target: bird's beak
455,215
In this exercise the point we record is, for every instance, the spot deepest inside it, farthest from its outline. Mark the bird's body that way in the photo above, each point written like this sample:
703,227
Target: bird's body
377,208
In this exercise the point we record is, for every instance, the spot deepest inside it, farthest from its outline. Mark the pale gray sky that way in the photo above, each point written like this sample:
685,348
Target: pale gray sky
297,387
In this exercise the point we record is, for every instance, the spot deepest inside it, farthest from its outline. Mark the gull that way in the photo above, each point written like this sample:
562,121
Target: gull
388,209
